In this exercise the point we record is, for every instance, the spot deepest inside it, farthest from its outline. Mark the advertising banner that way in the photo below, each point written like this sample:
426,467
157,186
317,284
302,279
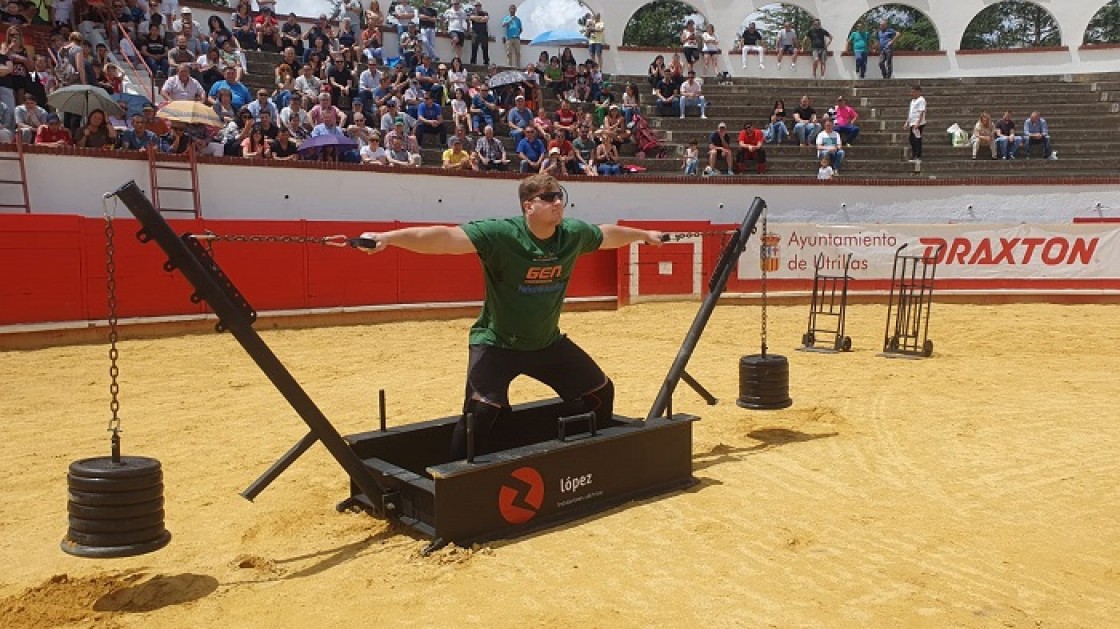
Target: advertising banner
963,252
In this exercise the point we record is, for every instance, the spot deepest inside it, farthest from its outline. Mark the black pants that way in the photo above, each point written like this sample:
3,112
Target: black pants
916,142
563,366
480,41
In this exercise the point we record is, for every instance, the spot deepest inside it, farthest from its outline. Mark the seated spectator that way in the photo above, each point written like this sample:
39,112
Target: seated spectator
138,138
614,125
572,163
182,86
983,133
399,129
267,29
605,160
719,148
543,122
223,106
97,132
291,35
29,117
484,108
154,123
456,158
430,118
667,94
461,133
776,132
413,97
269,126
239,94
369,80
307,84
691,94
210,69
806,126
243,27
490,153
176,141
359,131
181,54
296,120
460,111
318,112
1007,142
263,104
329,125
1037,133
154,52
203,146
845,118
751,148
519,118
256,145
567,119
830,146
553,163
373,153
232,57
400,156
531,150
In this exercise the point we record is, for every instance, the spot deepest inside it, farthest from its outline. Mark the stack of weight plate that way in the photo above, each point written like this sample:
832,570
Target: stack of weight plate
764,382
115,507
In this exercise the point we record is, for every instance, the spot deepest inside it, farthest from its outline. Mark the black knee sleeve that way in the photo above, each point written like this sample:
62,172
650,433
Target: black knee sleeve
601,401
484,417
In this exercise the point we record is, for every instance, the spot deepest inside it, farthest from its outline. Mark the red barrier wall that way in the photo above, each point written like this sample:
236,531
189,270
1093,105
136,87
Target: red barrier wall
54,270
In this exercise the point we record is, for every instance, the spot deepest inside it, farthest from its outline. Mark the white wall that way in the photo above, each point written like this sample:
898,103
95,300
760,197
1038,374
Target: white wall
235,191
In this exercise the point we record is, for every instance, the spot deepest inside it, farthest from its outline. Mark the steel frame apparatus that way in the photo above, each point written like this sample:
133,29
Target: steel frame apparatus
552,462
830,302
908,307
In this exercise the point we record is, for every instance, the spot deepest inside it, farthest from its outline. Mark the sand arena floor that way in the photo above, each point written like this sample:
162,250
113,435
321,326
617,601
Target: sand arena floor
975,489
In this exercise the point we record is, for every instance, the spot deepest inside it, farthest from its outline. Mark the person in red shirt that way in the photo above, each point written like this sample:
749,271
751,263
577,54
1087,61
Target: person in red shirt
52,133
267,28
566,118
750,148
568,156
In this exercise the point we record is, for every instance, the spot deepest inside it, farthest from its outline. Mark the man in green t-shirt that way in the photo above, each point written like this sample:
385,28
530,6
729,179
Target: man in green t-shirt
527,262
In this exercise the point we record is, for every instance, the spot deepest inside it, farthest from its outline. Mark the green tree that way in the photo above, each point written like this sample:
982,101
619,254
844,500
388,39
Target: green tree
917,31
770,19
1104,28
657,24
1011,24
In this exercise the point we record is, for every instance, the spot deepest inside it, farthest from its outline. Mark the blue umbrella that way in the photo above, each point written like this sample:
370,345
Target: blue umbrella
327,139
559,37
132,103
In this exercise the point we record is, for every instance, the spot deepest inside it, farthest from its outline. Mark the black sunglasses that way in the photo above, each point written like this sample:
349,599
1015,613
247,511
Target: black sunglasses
551,197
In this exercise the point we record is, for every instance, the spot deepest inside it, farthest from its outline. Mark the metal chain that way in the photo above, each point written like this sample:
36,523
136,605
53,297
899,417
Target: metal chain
318,240
114,354
762,256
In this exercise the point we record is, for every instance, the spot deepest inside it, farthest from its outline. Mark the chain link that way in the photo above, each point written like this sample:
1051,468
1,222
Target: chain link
762,256
114,354
286,239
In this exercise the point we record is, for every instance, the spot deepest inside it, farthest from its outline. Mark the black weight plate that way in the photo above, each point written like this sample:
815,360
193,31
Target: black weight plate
760,360
99,499
122,525
125,483
115,539
113,512
766,406
107,552
104,467
768,401
764,387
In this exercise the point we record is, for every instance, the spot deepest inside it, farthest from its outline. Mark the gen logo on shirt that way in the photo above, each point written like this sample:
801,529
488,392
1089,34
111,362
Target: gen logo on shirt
540,274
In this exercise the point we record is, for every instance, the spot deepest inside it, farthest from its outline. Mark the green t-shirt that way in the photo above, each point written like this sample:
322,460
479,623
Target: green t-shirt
526,279
859,41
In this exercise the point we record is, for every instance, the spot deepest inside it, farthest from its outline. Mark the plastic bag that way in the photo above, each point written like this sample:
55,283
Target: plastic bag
957,136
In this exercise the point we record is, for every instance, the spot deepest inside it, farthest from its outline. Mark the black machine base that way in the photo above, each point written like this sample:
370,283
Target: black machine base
534,480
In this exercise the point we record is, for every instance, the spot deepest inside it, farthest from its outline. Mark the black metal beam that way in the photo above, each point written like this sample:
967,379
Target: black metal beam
238,319
727,261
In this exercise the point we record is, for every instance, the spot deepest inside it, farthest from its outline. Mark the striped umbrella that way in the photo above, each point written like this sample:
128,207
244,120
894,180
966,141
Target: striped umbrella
190,112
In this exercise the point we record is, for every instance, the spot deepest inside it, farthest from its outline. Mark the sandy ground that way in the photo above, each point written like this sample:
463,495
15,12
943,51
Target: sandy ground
978,488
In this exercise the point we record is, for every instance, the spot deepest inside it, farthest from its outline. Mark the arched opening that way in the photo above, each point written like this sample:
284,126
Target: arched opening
539,16
1011,24
659,24
916,30
1104,28
769,19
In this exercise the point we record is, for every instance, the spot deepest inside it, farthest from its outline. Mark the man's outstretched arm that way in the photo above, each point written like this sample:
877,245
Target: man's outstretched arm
615,236
434,239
